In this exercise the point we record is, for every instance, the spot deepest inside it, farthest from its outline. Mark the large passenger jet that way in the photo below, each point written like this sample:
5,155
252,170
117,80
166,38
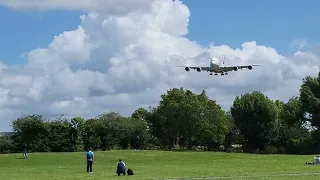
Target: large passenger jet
216,67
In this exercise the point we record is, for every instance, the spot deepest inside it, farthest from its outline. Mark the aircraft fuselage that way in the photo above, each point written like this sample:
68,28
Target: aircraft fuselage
215,65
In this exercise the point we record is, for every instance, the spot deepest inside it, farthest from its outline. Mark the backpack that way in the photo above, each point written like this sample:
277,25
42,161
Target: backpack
89,155
130,172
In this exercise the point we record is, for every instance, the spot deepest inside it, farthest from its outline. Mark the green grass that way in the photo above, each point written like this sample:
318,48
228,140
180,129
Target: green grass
157,165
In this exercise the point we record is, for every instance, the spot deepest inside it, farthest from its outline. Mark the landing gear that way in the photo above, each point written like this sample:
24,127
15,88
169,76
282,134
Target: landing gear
222,74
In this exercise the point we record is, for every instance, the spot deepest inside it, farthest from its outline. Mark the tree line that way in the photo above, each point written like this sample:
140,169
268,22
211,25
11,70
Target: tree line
184,120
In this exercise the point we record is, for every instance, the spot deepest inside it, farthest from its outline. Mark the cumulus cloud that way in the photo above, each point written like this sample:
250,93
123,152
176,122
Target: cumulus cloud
126,58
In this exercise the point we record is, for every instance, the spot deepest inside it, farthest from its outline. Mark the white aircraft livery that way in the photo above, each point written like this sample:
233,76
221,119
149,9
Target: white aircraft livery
216,67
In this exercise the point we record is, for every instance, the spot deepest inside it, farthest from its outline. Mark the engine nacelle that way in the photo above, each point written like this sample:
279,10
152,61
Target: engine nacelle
198,69
250,67
187,69
235,68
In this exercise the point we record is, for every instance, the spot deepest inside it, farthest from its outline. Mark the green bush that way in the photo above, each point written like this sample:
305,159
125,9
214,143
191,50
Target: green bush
7,145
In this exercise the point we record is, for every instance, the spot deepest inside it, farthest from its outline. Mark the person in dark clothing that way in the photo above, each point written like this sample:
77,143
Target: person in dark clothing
121,168
25,150
137,142
90,157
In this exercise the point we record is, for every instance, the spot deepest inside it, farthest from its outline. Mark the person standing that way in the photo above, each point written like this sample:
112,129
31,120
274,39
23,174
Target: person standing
25,150
90,157
137,143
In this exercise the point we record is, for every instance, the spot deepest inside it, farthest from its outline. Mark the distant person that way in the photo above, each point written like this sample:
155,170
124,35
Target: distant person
137,143
25,150
121,168
90,157
317,160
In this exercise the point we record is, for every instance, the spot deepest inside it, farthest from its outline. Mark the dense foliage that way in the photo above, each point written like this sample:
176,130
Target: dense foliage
184,120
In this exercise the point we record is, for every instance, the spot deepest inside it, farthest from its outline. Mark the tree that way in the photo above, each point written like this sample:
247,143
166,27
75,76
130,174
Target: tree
77,131
7,145
310,99
139,135
158,127
214,125
289,127
177,108
142,126
183,117
234,135
89,135
33,130
292,112
60,136
111,130
310,102
140,114
254,114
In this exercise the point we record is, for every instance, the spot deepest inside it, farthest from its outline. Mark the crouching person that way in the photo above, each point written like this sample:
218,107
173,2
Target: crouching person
121,168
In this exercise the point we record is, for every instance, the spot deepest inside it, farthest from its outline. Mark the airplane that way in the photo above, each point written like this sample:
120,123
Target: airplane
216,68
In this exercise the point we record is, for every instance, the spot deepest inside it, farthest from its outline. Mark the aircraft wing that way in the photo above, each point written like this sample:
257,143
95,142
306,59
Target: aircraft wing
235,68
203,68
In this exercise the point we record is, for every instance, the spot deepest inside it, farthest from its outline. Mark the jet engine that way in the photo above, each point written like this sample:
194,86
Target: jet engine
250,67
235,68
187,69
198,69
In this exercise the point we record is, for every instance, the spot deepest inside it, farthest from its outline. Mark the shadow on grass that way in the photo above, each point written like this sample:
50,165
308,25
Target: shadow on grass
19,158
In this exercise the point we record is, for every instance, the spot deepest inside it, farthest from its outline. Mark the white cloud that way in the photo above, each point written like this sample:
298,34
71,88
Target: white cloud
127,59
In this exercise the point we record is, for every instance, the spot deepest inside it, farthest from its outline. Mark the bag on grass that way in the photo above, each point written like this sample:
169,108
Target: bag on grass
130,172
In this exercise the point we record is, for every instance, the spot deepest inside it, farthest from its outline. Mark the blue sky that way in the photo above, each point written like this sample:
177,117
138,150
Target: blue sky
272,23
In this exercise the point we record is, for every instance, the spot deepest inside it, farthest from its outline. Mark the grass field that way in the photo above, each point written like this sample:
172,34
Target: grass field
158,165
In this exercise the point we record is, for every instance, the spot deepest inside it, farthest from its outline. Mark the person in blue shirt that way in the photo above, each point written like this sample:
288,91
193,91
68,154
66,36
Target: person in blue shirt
121,168
90,157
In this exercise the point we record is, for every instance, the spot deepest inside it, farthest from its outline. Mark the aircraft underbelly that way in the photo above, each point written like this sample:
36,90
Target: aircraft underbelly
216,68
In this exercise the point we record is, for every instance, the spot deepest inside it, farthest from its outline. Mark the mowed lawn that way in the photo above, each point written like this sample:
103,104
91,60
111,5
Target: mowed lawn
157,165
